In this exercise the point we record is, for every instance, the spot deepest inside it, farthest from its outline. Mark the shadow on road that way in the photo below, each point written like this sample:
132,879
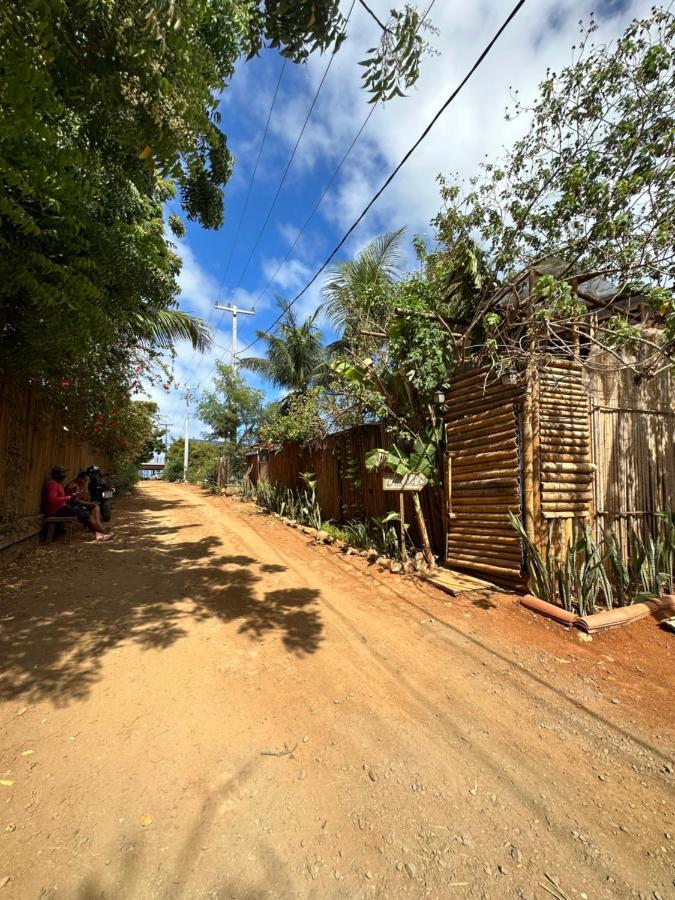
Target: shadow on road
131,872
63,608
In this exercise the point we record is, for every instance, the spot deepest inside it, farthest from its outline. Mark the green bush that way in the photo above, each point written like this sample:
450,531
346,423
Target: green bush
124,476
203,467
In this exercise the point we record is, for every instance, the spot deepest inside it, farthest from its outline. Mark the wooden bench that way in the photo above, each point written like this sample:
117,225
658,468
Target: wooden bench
52,521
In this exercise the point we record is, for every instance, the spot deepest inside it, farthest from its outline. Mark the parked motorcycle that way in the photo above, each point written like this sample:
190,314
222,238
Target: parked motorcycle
100,491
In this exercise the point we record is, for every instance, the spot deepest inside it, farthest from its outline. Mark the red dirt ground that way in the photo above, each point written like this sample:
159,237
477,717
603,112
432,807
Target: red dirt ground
212,706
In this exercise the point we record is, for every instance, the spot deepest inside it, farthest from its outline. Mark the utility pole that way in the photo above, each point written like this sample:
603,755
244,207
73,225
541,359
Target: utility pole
235,310
186,446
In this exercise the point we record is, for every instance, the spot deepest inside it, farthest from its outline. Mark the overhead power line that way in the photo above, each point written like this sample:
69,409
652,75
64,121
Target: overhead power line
304,227
281,183
330,181
255,170
290,162
316,206
514,12
246,201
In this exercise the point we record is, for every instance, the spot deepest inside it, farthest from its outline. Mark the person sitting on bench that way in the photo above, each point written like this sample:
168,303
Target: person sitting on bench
56,505
75,489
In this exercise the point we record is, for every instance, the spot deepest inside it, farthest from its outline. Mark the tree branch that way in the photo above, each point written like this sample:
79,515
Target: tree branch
373,16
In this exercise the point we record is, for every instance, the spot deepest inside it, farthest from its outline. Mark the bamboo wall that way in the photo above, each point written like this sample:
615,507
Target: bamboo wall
519,445
345,488
562,463
633,436
32,440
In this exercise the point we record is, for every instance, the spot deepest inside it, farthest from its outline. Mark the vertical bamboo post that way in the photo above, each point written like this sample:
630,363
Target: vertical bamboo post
401,506
449,513
528,461
424,534
538,519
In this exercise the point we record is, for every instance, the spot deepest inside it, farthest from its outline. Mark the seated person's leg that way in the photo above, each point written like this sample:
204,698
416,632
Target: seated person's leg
85,515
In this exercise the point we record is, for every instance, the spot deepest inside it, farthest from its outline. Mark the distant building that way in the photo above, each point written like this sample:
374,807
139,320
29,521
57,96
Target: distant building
151,470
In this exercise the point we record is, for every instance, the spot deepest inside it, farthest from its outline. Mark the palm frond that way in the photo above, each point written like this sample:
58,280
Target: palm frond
294,355
348,288
164,327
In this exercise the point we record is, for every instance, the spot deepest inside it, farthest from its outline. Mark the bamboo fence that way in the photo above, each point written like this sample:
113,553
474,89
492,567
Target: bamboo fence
572,442
32,440
482,474
633,437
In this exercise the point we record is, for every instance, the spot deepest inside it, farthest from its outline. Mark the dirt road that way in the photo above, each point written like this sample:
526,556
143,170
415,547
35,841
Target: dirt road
212,707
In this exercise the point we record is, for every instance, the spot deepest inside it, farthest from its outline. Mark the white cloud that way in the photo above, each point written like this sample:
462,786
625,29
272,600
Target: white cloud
286,276
473,126
289,232
198,289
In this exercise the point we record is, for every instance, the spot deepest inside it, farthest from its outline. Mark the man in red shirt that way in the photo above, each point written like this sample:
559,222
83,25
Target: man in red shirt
55,499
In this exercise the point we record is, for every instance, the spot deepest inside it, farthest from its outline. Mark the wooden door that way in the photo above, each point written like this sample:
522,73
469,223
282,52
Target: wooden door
482,486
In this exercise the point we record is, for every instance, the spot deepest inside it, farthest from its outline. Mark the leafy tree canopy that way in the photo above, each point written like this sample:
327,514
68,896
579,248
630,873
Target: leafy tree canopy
233,409
587,192
107,110
203,461
234,412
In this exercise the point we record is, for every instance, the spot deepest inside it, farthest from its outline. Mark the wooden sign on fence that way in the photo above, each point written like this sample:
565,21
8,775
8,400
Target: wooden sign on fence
414,481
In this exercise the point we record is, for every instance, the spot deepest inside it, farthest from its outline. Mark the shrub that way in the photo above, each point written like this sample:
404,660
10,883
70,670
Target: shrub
124,476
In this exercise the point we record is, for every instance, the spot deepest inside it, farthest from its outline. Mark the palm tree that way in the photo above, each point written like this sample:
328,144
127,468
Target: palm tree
355,292
295,356
163,327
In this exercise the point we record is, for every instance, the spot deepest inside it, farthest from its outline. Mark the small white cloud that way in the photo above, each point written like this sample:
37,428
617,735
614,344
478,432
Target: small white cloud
287,276
289,232
198,288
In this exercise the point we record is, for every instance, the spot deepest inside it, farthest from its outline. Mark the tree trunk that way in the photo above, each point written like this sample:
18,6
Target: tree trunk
422,525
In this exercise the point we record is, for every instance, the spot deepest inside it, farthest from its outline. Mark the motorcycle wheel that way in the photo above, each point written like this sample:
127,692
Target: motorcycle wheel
105,511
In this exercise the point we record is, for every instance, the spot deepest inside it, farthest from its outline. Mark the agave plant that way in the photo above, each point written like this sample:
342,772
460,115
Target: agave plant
357,534
577,579
386,536
589,571
668,550
543,571
310,509
619,569
566,581
643,563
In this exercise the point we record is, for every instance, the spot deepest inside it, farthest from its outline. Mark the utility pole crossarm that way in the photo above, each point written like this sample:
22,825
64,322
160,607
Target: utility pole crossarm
235,310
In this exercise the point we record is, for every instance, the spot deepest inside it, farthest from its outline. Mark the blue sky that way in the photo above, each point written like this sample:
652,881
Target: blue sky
541,36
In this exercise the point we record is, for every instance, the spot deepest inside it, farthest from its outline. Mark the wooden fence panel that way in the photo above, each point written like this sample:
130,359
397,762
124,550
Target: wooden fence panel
32,440
483,474
345,488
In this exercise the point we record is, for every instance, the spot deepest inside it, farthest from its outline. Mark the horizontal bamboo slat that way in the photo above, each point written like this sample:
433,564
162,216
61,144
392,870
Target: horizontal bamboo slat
476,420
469,537
556,466
508,573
